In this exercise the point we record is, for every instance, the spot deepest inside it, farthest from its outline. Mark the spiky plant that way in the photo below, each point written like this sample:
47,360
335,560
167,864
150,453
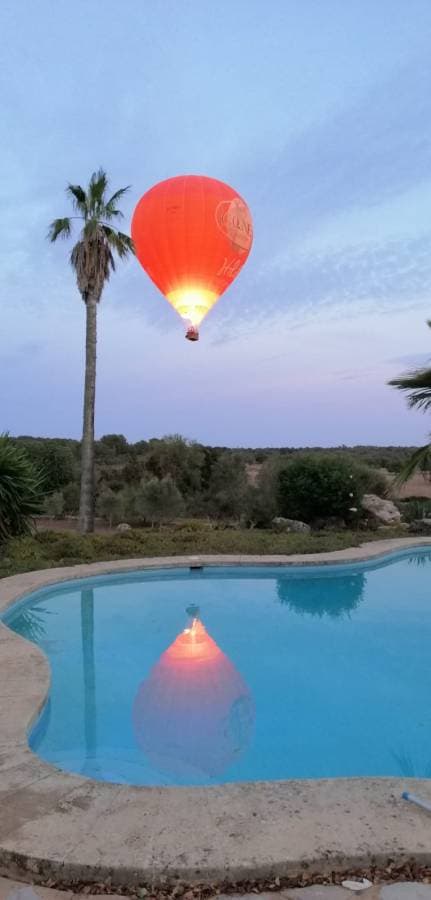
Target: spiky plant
93,260
21,490
418,387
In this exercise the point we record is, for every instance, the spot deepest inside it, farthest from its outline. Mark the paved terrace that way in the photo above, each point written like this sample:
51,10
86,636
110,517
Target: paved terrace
71,829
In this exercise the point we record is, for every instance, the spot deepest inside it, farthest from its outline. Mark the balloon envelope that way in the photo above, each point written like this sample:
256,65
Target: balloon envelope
192,235
193,715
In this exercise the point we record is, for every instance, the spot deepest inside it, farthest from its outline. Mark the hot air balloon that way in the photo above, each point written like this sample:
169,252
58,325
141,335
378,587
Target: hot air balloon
193,716
192,235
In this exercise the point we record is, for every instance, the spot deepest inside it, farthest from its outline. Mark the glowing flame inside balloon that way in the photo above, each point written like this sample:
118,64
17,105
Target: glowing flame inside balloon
193,716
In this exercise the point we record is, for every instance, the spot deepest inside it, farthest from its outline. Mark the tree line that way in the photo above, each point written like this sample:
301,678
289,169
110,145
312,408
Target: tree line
160,480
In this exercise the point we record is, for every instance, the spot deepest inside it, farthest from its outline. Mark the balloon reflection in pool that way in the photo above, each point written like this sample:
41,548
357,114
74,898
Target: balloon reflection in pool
193,715
328,595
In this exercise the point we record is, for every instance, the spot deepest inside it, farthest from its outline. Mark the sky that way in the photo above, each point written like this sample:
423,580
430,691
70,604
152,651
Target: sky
319,115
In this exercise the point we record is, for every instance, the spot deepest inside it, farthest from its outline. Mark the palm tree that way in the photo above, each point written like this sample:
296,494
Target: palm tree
418,386
92,259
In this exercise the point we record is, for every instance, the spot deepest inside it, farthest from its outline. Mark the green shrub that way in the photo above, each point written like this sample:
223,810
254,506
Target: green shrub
158,500
21,490
415,508
111,506
71,498
54,505
312,488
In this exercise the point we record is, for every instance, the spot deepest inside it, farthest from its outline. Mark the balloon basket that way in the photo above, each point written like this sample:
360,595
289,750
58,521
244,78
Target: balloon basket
192,334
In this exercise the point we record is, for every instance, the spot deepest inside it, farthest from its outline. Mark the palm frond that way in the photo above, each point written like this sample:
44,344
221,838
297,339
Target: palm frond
96,189
120,242
111,211
127,241
418,384
118,194
78,197
59,228
420,459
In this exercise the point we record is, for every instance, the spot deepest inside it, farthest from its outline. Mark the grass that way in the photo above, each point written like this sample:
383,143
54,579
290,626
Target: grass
49,548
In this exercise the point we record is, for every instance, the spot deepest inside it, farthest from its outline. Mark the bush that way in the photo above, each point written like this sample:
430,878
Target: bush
21,490
54,505
311,488
71,498
228,487
56,459
415,508
111,506
158,501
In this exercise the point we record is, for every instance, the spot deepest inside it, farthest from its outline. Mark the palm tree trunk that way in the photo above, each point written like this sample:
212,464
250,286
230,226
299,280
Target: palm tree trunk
86,502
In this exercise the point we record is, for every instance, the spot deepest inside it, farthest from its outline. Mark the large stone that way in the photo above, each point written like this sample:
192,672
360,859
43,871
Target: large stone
383,511
123,526
293,525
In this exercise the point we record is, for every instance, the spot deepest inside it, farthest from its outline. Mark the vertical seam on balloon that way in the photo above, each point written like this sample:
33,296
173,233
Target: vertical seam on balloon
166,241
155,249
186,246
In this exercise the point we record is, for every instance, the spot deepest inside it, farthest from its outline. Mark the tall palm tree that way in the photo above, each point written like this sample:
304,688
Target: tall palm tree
418,386
92,259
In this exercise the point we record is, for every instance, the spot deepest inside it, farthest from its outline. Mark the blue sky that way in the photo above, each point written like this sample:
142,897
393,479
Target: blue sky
319,114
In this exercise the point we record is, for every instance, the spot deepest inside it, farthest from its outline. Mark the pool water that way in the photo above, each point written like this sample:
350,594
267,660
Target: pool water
234,674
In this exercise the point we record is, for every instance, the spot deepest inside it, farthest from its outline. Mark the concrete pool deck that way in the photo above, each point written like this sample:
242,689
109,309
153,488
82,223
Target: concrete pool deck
55,825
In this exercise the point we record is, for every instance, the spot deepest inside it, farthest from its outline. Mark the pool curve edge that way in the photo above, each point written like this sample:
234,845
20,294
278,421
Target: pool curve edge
56,825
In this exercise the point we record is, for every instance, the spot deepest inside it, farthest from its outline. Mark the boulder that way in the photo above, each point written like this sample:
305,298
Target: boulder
290,525
383,511
123,526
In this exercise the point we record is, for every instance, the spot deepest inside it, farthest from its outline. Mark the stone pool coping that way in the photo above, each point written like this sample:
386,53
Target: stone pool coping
73,829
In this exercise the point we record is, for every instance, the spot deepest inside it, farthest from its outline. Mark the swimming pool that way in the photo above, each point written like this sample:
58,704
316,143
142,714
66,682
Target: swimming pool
235,674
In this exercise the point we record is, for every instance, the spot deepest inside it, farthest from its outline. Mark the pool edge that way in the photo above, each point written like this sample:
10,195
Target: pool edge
58,825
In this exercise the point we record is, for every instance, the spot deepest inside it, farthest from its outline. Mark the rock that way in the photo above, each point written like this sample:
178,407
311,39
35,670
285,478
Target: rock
383,511
290,525
123,526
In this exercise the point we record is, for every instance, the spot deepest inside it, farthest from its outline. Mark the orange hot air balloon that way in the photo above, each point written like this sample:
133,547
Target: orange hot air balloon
192,235
193,716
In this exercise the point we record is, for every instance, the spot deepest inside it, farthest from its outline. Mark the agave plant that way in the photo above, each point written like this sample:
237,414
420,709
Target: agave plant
418,387
21,490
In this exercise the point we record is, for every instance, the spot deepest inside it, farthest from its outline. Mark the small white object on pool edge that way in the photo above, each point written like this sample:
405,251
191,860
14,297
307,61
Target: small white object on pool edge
357,885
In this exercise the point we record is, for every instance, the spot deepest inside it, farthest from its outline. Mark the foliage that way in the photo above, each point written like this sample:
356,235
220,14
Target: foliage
54,505
49,548
417,384
56,458
158,500
111,446
21,490
228,487
181,459
213,481
415,508
262,500
311,488
92,257
71,498
111,506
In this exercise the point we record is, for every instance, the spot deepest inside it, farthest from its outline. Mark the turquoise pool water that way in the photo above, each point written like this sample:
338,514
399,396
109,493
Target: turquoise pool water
204,677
